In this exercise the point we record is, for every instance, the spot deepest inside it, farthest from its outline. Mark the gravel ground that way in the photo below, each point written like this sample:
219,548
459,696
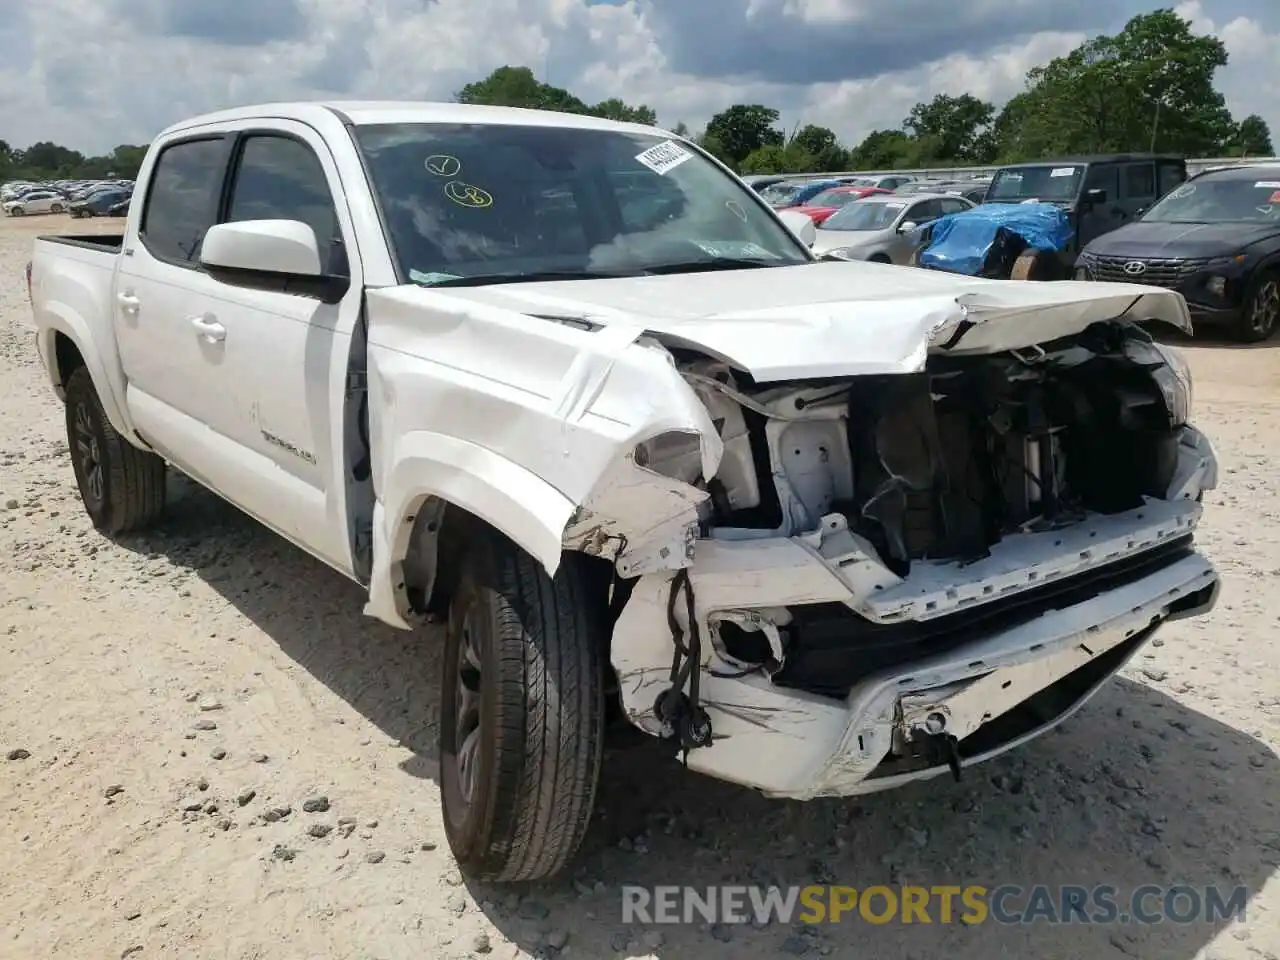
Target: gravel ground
212,754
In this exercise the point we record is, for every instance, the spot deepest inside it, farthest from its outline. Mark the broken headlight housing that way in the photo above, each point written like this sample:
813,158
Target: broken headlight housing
1171,373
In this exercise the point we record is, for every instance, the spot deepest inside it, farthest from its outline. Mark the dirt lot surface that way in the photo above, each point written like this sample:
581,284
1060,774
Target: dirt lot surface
165,699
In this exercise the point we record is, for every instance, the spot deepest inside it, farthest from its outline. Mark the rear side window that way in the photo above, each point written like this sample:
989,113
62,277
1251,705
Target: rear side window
280,178
182,201
1140,181
1171,174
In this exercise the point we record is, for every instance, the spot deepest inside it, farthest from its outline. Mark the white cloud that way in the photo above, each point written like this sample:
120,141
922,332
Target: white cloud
94,73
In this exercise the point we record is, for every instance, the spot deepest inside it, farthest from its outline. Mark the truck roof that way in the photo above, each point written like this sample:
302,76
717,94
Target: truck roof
363,112
1099,158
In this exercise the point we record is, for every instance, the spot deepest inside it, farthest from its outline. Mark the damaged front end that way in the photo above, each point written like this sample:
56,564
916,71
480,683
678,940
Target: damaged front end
855,582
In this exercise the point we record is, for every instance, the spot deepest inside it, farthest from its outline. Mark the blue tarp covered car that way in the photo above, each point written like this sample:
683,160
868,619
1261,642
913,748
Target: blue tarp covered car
987,240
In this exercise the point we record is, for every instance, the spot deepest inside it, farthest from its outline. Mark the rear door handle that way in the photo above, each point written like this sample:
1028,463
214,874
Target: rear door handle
128,301
208,327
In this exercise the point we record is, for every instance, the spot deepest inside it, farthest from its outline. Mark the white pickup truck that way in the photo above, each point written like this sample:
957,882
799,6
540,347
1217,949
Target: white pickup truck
826,527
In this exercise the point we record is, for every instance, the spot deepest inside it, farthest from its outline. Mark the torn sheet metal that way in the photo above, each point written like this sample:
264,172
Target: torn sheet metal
839,319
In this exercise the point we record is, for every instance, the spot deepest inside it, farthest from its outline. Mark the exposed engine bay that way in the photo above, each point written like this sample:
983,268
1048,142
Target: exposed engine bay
942,464
936,467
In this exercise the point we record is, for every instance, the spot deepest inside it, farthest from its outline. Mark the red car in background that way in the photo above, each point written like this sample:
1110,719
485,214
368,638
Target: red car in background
829,201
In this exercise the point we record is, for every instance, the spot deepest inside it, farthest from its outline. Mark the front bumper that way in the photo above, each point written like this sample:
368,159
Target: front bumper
992,688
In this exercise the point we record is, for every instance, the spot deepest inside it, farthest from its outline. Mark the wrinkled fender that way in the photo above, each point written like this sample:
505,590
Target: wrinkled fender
519,504
108,379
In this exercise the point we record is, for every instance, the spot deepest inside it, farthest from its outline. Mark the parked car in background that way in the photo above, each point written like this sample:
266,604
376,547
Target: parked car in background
119,209
824,204
36,201
883,181
882,228
808,524
1215,239
975,191
1098,193
758,181
922,186
793,193
97,204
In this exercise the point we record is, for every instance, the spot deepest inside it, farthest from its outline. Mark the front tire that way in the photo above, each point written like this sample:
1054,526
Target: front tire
55,208
1261,312
522,713
122,487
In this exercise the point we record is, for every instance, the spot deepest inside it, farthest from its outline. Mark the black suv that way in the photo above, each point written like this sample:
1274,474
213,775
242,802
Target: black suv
1099,193
1215,239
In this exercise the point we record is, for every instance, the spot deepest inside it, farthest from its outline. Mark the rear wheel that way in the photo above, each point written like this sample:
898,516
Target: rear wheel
1261,312
55,208
1034,265
121,486
522,713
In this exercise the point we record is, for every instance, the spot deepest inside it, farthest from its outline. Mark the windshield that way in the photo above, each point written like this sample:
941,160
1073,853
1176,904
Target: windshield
1222,199
1036,183
864,215
833,198
488,200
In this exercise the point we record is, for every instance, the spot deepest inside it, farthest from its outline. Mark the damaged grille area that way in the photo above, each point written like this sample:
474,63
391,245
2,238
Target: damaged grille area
948,462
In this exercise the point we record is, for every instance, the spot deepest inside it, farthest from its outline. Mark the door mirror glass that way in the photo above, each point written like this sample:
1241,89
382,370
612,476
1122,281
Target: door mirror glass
907,226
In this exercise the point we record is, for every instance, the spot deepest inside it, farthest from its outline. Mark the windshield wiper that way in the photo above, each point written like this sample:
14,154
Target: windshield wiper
535,276
716,263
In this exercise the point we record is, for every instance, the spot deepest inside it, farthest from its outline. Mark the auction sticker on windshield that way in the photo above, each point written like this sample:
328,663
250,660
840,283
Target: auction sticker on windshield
664,157
1268,184
1062,171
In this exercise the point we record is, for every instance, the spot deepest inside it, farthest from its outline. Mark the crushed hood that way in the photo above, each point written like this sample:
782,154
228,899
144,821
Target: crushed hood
831,319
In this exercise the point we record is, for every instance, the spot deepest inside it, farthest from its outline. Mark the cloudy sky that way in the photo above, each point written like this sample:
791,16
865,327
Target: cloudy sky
94,73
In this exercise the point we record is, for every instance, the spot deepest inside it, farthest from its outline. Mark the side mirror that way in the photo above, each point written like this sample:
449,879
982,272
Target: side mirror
1140,211
908,226
280,255
1096,195
800,224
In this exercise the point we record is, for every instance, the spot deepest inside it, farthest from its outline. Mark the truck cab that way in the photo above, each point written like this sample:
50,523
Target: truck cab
1099,193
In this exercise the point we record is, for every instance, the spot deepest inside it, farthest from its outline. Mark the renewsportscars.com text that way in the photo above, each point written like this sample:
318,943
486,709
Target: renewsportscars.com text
970,904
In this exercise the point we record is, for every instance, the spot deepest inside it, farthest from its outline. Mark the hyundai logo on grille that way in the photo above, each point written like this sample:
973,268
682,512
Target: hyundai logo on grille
1135,267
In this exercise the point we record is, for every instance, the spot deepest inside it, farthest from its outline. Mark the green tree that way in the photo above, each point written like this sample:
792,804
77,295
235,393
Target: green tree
885,150
822,148
1253,138
681,129
518,87
955,127
615,109
742,129
1149,85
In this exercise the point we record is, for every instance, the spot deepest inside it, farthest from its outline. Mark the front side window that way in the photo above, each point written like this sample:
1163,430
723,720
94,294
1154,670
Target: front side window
182,202
490,201
1048,182
280,178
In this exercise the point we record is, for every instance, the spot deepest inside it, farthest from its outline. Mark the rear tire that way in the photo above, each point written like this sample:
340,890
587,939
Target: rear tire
122,487
1034,265
1261,313
55,208
522,713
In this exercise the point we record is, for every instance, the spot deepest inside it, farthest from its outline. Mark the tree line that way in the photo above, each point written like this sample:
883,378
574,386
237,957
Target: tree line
1149,87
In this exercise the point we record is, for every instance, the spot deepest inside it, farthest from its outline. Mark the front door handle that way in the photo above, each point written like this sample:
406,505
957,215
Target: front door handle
209,328
128,302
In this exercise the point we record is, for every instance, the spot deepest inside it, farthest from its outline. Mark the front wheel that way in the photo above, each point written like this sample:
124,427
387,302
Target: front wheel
56,208
16,212
1261,310
122,487
522,713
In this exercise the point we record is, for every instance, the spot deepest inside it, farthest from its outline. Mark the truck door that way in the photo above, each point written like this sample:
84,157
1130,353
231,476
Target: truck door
286,353
172,394
1099,218
1138,182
